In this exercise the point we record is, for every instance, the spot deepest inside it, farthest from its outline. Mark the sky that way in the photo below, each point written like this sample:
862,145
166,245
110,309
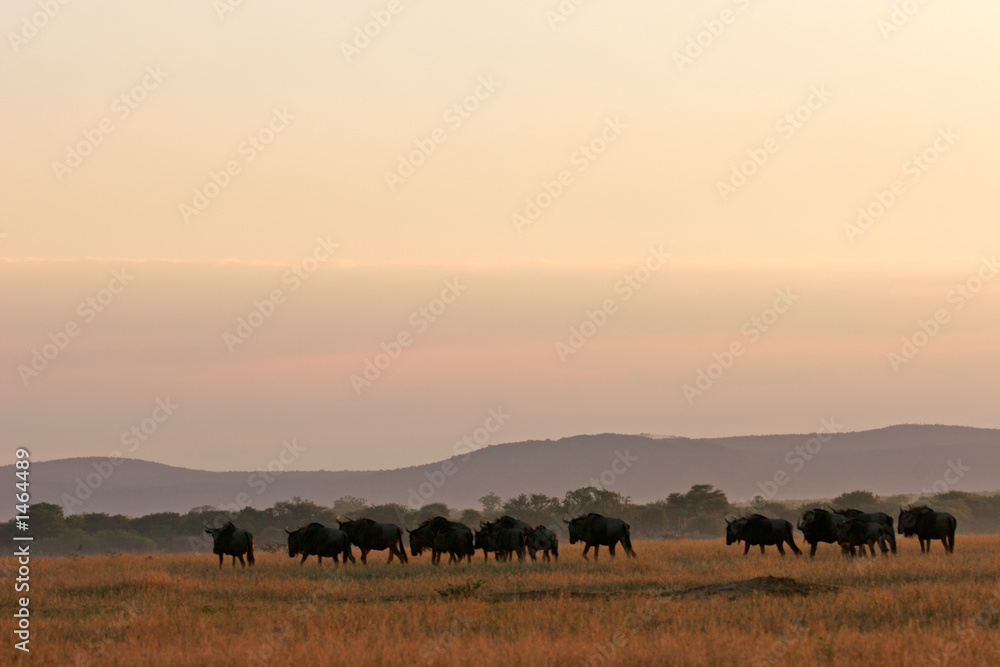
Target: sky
375,229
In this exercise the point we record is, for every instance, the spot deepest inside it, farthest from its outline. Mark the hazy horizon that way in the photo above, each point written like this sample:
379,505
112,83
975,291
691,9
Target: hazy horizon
228,228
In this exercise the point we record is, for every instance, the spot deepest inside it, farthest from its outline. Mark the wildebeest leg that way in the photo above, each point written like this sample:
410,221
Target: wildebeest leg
944,541
586,548
746,548
781,548
762,550
597,548
364,556
611,549
220,560
242,563
812,549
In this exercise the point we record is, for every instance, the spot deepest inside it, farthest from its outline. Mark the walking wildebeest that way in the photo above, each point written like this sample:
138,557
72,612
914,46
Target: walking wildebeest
819,525
879,517
594,530
544,540
503,537
368,535
457,543
427,534
928,525
231,541
505,542
757,529
860,532
319,540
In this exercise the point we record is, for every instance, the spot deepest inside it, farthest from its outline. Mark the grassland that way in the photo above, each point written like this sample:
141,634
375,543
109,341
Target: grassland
912,609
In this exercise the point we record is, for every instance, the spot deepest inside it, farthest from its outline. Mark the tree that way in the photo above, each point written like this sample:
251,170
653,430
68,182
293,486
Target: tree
491,503
46,520
861,500
592,499
349,505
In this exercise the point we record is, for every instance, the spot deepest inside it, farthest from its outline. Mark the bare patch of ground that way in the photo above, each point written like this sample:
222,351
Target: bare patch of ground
767,585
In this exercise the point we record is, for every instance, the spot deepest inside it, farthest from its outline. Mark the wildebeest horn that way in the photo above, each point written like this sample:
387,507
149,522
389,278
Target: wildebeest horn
565,520
288,531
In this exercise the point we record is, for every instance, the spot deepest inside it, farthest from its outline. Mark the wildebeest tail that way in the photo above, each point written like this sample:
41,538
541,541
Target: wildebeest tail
250,550
627,541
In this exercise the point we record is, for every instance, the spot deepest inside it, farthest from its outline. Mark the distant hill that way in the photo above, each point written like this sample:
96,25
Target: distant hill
897,459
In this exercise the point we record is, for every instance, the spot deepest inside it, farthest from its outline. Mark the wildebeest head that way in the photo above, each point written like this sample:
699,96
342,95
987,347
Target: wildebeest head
576,527
481,539
734,530
297,538
216,533
910,518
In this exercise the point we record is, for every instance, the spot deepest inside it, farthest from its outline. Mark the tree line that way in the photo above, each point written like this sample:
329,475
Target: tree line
697,513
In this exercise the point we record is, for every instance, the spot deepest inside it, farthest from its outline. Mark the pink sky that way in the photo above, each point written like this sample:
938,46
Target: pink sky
238,164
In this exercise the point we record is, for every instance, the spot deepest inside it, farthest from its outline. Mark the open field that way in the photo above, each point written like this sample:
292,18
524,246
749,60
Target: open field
181,610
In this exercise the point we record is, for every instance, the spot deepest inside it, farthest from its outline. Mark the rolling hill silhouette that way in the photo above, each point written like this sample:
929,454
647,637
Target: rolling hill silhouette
896,459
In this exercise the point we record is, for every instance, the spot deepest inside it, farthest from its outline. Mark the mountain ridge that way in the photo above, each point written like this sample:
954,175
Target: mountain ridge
903,458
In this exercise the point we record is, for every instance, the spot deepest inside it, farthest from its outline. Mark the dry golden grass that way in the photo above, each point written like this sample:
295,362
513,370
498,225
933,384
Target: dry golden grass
181,610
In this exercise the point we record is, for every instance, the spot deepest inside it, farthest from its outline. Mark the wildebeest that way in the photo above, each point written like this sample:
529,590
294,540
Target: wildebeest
879,517
504,537
505,542
819,525
481,540
928,525
368,535
860,532
319,540
544,540
594,530
441,535
457,543
757,529
231,541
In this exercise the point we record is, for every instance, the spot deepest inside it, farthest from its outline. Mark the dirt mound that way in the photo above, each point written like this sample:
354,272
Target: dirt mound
766,585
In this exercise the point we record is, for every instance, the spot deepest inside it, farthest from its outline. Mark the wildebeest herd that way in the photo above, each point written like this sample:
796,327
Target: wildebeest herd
851,529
